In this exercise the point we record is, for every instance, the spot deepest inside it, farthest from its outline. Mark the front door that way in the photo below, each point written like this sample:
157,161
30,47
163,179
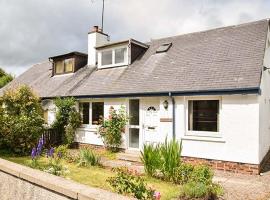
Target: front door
151,121
134,124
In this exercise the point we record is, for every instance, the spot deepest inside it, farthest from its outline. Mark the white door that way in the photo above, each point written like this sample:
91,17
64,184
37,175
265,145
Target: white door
151,121
134,136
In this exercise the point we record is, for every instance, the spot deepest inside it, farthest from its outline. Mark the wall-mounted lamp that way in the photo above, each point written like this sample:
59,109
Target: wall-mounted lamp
265,68
165,104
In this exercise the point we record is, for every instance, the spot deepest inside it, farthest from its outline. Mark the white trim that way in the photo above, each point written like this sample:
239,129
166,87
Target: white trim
202,133
90,126
203,138
126,59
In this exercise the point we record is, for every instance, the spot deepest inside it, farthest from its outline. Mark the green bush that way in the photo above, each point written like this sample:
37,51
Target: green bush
62,151
150,157
56,167
199,184
88,158
202,174
21,120
112,128
5,78
193,190
67,118
183,173
170,153
126,182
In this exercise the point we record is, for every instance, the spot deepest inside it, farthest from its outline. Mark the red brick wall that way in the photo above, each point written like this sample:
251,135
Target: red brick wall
234,167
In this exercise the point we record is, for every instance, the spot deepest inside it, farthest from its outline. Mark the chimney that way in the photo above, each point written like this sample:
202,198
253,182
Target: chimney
95,38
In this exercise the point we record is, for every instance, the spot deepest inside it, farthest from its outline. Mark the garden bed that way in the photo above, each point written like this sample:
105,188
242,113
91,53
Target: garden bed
96,176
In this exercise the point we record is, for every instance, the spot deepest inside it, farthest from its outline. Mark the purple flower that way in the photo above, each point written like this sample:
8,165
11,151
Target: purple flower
51,152
59,154
34,153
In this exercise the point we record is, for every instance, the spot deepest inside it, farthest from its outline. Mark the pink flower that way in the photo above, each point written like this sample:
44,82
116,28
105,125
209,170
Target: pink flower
157,195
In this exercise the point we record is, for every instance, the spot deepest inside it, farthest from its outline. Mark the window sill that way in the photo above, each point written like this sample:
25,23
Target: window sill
113,65
85,127
203,138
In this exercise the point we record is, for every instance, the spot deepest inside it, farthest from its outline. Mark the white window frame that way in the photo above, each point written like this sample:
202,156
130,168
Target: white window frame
217,134
90,125
113,57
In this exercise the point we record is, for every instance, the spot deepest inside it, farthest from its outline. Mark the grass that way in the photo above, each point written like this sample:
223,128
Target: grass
96,176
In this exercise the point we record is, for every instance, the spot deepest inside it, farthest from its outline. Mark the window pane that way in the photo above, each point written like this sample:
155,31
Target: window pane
59,67
84,110
203,115
106,58
120,55
134,137
134,110
69,65
97,112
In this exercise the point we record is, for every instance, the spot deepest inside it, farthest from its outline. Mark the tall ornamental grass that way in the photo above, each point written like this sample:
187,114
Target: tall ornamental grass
150,157
164,158
170,153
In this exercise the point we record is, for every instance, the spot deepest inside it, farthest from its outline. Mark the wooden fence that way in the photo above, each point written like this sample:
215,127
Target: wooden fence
52,137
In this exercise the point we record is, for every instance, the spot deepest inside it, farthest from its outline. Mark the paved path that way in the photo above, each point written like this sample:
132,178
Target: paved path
244,187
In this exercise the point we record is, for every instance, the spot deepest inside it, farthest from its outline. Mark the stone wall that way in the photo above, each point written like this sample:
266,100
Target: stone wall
18,182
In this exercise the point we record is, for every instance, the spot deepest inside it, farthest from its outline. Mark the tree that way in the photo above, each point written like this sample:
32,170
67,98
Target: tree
5,78
21,121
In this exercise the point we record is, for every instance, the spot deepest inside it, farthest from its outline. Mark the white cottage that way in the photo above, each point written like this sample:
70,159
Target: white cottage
210,89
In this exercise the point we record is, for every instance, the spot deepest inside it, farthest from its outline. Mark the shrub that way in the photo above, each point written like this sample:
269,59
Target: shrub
193,190
150,157
5,78
200,184
55,165
111,129
88,158
170,153
202,174
62,151
183,173
21,121
67,118
126,182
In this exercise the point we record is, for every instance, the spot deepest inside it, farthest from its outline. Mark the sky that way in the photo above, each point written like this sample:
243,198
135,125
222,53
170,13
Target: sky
33,30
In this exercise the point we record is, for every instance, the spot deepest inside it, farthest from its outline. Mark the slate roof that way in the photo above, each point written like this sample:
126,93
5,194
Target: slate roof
223,59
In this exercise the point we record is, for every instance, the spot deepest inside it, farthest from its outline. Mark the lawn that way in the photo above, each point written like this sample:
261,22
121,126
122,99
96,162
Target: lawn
96,176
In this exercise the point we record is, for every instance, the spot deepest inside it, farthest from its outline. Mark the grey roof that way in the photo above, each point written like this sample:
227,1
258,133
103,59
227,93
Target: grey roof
229,58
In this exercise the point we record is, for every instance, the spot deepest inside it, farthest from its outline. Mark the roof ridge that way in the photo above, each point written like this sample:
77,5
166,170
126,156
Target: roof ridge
210,30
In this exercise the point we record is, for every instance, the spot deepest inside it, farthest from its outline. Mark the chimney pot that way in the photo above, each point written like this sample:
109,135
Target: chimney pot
95,29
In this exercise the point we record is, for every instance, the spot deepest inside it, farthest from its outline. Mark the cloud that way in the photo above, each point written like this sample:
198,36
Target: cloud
31,30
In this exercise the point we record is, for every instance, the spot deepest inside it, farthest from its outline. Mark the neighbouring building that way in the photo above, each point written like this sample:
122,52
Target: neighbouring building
210,89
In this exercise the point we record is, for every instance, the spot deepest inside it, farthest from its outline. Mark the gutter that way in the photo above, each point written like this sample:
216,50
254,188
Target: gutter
173,115
243,91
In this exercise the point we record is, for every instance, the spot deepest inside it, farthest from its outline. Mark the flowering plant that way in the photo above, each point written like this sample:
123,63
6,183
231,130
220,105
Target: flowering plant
55,166
36,152
112,128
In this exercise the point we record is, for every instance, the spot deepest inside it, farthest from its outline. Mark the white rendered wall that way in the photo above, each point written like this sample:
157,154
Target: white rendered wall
51,111
238,140
264,101
95,39
239,131
88,134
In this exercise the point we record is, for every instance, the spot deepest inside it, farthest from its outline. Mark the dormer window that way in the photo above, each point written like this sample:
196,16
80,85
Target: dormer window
121,53
113,57
64,66
68,63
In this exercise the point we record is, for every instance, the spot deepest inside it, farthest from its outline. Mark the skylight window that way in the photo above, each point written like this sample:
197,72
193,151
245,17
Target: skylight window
164,48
